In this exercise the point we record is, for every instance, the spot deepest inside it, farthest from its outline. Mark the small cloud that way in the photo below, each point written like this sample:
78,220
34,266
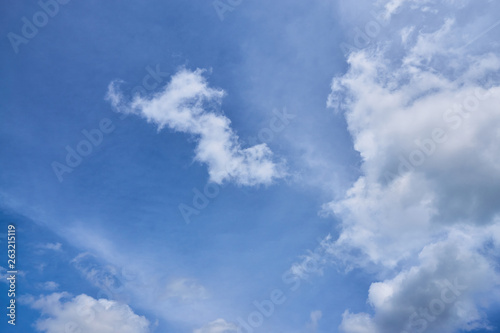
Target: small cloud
188,104
357,323
185,290
41,267
51,246
49,285
217,326
3,274
315,317
61,313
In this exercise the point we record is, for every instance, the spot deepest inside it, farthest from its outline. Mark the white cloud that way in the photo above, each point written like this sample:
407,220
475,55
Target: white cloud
315,317
52,246
49,285
122,277
187,104
357,323
4,275
217,326
61,314
439,294
392,6
419,133
423,114
185,289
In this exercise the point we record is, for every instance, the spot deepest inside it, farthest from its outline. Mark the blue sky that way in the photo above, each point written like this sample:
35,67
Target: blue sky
237,166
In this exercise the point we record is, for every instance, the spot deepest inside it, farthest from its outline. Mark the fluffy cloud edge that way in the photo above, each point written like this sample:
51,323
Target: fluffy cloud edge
83,313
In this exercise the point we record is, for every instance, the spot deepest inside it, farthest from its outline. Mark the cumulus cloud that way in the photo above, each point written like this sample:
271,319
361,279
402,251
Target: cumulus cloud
427,142
423,114
217,326
439,294
187,104
357,323
61,313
